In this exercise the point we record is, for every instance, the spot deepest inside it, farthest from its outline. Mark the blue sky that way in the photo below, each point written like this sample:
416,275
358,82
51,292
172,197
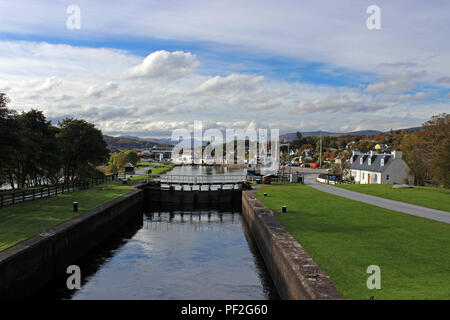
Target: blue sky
154,66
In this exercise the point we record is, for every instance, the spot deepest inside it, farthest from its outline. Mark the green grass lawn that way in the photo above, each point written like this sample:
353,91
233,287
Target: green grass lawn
22,221
140,165
162,168
430,197
344,237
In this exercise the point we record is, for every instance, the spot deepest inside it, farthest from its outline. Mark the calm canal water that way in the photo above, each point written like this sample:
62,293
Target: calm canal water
206,170
170,254
178,255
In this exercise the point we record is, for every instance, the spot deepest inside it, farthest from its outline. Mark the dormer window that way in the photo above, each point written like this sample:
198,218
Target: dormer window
370,161
361,160
382,162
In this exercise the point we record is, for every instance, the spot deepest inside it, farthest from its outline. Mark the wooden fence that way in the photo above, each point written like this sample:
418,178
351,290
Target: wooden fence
13,198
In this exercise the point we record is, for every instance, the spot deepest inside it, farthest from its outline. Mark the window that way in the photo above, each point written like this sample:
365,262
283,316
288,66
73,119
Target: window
376,178
361,160
382,162
363,175
370,161
387,177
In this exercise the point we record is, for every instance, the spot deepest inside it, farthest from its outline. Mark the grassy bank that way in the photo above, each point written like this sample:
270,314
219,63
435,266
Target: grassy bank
156,170
163,168
22,221
140,165
430,197
344,237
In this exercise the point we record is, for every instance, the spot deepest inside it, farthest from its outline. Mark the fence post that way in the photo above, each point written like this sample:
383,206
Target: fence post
13,198
33,193
23,196
42,193
1,201
48,192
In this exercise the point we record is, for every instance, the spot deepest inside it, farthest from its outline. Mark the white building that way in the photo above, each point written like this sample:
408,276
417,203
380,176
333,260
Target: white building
375,168
185,157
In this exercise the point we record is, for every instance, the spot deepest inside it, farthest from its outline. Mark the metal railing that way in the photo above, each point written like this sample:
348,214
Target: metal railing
198,179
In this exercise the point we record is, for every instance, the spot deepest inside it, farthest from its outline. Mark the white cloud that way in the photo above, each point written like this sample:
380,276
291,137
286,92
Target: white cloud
233,82
337,103
444,80
416,96
101,90
328,31
164,65
393,86
83,82
408,75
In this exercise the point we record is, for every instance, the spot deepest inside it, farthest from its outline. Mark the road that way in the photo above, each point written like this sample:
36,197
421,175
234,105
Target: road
438,215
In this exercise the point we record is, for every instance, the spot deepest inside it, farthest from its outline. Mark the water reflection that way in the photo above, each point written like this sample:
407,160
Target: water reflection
206,170
176,255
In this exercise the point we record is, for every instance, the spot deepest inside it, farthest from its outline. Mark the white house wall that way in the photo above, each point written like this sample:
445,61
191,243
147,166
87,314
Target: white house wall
398,170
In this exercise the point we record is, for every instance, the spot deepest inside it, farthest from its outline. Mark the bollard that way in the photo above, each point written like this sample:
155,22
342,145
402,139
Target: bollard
283,209
75,206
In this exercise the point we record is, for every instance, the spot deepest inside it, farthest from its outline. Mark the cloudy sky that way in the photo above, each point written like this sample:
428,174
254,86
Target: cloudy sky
146,68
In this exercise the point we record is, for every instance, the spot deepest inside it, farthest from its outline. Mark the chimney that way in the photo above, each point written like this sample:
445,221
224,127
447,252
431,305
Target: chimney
397,154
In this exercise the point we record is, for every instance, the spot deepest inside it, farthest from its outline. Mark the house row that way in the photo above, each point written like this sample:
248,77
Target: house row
379,168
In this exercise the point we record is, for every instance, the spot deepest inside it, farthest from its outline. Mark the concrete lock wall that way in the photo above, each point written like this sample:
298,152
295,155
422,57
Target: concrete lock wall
190,200
31,264
294,273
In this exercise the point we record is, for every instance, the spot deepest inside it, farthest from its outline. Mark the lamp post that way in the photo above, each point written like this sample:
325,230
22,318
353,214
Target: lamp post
320,155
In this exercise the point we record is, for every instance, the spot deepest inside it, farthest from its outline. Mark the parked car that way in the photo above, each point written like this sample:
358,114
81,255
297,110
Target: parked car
296,160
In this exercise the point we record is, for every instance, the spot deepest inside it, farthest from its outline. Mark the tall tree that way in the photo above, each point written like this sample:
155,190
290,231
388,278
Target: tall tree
82,148
8,130
427,151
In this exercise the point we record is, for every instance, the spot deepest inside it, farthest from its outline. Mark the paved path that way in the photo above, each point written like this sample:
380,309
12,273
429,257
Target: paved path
438,215
143,171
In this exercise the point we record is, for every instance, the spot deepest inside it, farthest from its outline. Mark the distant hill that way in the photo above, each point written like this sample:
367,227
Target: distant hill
291,136
129,143
167,141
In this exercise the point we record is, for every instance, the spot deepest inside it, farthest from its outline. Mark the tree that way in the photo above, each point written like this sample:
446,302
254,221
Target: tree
427,151
413,152
118,160
298,140
436,134
36,155
82,147
8,130
131,156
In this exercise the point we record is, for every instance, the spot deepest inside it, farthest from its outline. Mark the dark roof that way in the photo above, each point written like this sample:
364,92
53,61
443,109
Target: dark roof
376,162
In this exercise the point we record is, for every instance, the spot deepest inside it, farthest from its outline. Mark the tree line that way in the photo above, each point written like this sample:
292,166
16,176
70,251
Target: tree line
427,151
35,152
